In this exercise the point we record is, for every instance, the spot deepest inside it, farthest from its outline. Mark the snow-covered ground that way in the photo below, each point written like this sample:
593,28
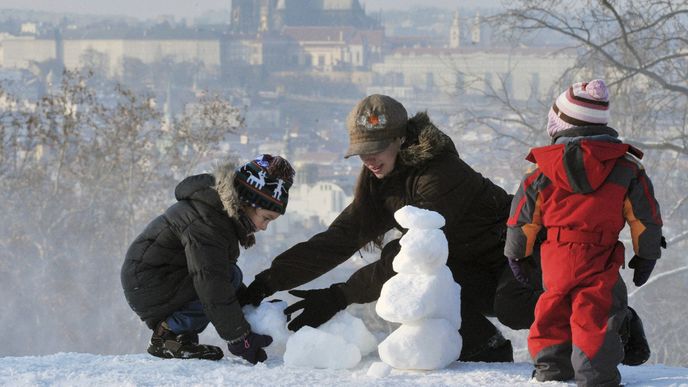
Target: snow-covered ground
78,369
292,357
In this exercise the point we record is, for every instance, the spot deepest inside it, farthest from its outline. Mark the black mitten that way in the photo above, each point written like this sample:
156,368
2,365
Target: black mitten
521,268
318,306
254,293
642,268
250,347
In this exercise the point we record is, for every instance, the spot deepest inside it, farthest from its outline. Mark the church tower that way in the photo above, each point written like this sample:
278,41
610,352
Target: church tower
475,29
455,32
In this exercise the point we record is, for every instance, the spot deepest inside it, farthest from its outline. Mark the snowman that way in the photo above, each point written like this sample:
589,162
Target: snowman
422,297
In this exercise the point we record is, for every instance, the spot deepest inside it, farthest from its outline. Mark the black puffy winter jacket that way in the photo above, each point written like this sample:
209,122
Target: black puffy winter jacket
187,253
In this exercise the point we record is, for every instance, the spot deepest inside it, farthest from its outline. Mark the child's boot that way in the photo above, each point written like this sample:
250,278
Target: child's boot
166,344
636,347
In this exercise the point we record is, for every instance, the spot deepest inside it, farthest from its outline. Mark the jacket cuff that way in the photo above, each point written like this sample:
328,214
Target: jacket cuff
239,339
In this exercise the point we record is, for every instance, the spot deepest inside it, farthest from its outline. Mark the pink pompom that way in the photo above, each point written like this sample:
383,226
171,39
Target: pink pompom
597,89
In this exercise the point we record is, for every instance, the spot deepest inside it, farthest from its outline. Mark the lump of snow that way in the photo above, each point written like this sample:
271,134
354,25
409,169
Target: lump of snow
313,348
379,370
353,330
269,319
427,345
422,251
407,298
414,217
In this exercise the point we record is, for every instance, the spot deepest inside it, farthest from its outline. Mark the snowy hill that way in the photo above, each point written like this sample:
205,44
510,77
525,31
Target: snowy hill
74,369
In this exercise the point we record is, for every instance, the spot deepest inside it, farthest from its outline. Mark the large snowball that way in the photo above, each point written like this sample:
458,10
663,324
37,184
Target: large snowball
407,298
414,217
422,251
269,319
427,345
353,330
313,348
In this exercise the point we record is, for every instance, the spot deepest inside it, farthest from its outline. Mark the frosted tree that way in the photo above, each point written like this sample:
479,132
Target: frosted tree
84,167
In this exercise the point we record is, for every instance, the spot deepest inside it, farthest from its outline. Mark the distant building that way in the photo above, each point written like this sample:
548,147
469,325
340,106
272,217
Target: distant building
20,52
330,48
476,31
455,32
327,13
109,53
250,17
330,198
266,36
522,72
29,28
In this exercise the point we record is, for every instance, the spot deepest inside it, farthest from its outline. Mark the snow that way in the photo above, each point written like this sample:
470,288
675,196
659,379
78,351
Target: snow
339,343
269,319
82,369
78,369
379,370
314,348
428,344
414,217
423,297
421,251
410,297
353,330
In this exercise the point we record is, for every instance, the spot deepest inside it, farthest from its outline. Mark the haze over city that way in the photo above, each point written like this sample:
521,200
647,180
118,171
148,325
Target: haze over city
106,105
182,9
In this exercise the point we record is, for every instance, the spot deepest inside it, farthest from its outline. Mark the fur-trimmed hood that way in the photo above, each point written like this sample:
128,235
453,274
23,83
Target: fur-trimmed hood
229,197
424,141
216,189
224,185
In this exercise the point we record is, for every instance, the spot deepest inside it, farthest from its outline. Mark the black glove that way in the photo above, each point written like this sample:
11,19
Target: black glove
642,268
254,293
251,347
319,305
521,268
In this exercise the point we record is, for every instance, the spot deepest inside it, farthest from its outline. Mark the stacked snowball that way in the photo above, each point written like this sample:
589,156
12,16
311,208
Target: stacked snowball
423,297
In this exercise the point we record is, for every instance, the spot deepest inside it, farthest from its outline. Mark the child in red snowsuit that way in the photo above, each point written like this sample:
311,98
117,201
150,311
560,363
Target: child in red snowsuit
585,186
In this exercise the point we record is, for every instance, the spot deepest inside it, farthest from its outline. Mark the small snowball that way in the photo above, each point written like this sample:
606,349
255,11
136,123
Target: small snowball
269,319
428,345
313,348
422,251
353,330
379,370
414,217
407,298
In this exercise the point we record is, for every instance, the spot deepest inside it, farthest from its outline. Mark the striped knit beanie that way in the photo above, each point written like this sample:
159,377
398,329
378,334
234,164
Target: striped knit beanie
583,104
264,182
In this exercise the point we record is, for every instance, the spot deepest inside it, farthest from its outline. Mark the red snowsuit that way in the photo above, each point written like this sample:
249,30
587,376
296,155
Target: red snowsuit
582,191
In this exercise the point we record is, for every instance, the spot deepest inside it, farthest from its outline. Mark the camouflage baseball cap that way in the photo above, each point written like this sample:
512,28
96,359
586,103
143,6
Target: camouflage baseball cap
374,123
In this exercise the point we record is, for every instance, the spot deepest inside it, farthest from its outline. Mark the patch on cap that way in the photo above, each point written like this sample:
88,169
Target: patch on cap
372,121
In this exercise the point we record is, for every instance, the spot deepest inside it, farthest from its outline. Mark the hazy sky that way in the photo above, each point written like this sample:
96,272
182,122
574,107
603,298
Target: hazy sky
193,8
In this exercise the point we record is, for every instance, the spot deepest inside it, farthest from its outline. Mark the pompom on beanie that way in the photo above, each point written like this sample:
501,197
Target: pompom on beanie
582,104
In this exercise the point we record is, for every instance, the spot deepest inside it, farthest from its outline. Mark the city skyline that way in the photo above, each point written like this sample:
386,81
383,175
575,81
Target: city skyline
191,9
